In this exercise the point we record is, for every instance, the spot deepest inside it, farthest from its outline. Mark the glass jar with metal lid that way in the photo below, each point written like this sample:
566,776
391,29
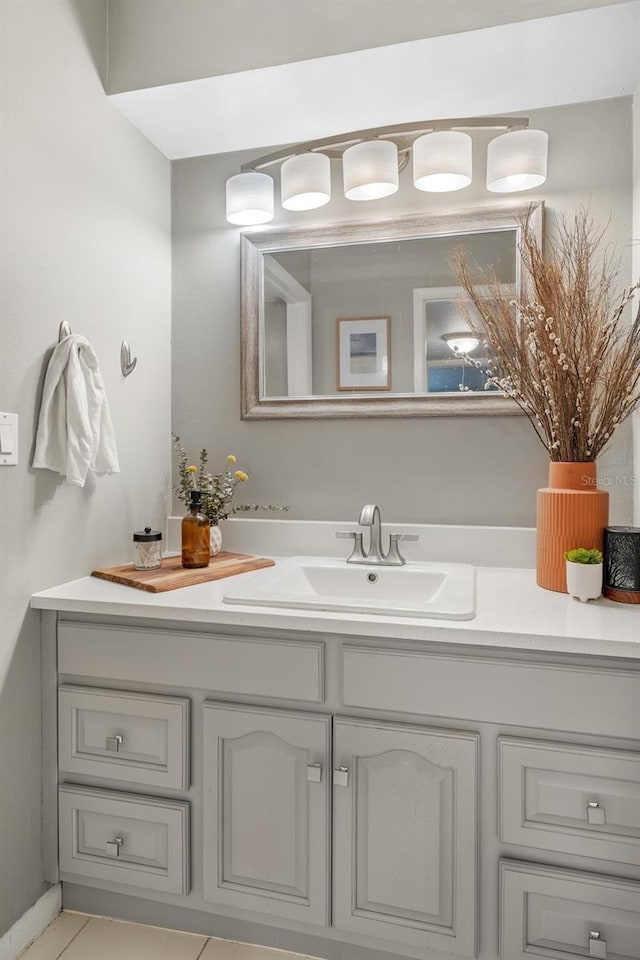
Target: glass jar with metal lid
147,549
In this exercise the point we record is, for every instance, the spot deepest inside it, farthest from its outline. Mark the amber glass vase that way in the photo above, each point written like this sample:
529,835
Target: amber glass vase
572,513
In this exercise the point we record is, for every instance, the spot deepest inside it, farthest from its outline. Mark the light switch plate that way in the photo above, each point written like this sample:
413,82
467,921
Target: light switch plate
8,439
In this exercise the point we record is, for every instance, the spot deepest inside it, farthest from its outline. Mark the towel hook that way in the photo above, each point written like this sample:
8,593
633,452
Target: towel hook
64,330
127,364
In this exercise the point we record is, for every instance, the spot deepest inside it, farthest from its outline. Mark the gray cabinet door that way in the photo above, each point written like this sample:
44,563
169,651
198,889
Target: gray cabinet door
266,811
405,836
565,914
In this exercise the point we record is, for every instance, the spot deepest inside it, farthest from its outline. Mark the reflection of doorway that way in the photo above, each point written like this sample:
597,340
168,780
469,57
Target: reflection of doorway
436,369
280,283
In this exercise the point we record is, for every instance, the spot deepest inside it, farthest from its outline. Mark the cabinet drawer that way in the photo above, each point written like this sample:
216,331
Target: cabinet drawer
545,912
494,690
124,838
261,667
569,798
124,736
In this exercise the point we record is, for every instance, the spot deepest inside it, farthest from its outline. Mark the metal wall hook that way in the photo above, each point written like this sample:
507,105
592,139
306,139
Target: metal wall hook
127,365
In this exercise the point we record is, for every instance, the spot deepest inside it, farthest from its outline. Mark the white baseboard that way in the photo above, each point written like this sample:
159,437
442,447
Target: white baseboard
32,923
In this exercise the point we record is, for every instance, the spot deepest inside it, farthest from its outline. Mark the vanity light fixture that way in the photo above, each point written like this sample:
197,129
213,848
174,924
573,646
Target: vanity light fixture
370,170
250,199
372,160
463,342
517,160
442,161
305,181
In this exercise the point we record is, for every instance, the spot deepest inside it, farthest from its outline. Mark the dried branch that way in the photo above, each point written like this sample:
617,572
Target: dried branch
564,351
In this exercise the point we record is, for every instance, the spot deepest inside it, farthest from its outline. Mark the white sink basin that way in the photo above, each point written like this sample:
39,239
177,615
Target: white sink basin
438,590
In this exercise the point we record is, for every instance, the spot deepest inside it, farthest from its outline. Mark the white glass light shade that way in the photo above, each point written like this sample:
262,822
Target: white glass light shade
517,160
442,161
370,170
249,199
305,181
461,342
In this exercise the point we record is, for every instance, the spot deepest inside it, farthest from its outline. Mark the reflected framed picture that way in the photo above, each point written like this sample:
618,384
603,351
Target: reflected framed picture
363,353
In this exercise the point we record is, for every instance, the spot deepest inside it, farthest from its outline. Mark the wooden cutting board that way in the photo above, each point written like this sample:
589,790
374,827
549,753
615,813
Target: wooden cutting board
172,575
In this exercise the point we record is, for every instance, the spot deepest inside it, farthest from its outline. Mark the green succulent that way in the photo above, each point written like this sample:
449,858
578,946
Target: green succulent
582,555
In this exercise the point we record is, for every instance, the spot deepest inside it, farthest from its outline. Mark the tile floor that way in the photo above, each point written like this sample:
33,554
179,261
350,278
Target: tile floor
77,936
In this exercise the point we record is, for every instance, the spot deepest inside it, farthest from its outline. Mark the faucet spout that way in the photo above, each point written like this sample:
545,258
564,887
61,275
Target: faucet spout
370,517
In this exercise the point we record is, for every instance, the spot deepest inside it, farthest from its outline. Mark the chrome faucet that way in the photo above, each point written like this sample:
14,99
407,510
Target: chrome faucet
370,517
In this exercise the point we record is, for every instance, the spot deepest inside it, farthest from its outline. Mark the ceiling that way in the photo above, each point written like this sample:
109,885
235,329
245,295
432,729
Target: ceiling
512,68
155,42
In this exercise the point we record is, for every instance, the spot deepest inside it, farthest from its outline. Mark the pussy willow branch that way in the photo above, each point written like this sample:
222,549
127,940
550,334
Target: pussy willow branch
565,350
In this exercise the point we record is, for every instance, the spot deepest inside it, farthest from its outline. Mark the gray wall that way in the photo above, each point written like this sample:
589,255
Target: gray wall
480,470
164,41
85,238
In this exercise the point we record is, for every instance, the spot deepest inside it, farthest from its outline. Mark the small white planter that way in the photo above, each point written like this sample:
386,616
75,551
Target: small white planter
584,580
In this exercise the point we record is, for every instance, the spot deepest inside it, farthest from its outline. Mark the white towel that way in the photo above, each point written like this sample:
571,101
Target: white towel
75,432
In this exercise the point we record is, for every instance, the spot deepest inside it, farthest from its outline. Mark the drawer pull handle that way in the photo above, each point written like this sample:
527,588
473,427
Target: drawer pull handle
314,772
595,814
597,946
113,744
341,777
113,847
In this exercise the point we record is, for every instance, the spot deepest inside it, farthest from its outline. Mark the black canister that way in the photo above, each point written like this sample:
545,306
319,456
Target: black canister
622,564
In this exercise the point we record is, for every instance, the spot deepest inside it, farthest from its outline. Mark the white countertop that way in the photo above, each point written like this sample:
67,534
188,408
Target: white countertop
512,612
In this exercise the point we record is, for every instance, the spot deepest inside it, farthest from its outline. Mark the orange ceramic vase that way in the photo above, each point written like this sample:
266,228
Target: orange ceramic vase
572,513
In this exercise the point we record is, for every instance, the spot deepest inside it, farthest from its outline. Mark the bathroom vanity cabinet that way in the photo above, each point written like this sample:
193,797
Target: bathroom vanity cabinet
347,797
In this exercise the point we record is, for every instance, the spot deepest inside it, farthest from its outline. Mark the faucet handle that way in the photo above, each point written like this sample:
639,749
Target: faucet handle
357,553
394,557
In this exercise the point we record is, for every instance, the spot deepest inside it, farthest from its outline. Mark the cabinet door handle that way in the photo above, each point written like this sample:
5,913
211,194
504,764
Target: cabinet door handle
341,777
314,772
112,847
113,744
597,946
595,814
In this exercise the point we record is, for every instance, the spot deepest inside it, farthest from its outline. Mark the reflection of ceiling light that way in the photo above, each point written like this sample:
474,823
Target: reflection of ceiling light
442,161
372,160
370,170
464,342
517,161
305,181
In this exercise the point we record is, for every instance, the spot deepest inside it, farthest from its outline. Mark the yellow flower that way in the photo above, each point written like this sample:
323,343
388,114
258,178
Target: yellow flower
241,475
192,469
231,458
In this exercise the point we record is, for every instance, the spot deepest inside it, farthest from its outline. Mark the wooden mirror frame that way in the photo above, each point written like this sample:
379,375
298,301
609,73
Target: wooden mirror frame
256,244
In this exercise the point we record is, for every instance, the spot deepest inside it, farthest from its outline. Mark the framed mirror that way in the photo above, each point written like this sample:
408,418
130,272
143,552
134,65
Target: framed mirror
363,319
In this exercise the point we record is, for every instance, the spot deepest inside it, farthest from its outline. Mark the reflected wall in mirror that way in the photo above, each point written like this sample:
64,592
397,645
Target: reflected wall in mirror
364,319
